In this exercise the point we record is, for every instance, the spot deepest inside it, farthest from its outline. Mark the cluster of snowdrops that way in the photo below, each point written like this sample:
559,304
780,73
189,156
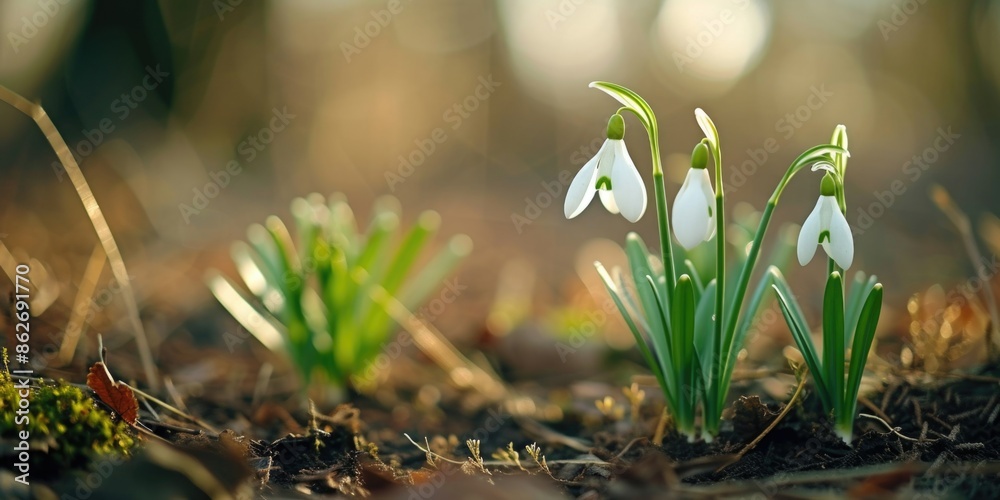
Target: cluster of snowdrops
690,330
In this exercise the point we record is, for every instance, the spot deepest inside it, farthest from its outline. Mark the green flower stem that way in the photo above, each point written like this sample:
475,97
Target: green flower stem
720,287
660,193
666,246
811,155
713,395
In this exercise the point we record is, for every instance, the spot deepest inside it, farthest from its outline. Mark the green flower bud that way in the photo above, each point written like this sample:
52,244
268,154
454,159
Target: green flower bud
828,186
616,127
699,157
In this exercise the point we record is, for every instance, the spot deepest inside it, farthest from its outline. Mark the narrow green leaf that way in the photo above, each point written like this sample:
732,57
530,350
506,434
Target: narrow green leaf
343,230
733,345
711,133
306,216
430,277
267,255
630,100
639,265
817,153
376,239
374,320
640,341
833,338
803,339
664,353
371,260
425,281
257,277
863,339
682,330
682,324
408,251
638,260
699,286
629,299
259,323
288,260
860,289
704,337
291,281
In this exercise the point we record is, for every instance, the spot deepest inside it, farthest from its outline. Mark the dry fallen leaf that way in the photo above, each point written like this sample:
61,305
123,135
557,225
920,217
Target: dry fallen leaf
118,396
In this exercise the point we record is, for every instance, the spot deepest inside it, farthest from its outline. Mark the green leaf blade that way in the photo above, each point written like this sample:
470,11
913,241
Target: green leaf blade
833,337
863,339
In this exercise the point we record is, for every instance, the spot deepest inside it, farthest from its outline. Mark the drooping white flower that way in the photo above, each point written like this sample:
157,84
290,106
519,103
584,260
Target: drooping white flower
693,212
612,173
827,227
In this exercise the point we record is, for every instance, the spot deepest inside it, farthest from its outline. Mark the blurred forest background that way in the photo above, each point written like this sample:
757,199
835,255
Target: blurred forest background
192,120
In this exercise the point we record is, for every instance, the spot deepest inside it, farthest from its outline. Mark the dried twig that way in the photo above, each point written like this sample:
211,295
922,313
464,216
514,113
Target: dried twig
894,430
871,406
426,448
96,216
788,407
172,409
628,447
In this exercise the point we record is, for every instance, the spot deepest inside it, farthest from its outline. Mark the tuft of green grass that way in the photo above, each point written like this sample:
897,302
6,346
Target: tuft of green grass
312,291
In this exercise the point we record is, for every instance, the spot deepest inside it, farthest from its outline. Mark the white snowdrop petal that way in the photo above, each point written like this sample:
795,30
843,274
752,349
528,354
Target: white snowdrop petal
841,247
690,217
581,190
809,235
608,199
709,194
626,184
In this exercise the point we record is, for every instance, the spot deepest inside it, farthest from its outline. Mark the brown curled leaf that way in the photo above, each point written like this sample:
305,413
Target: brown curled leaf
118,396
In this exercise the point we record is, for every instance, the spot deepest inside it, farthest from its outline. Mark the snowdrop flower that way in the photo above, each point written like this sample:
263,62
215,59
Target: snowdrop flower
612,173
827,226
693,217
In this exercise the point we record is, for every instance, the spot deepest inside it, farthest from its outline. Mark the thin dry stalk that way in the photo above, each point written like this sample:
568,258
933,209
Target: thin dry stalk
463,372
96,216
75,325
